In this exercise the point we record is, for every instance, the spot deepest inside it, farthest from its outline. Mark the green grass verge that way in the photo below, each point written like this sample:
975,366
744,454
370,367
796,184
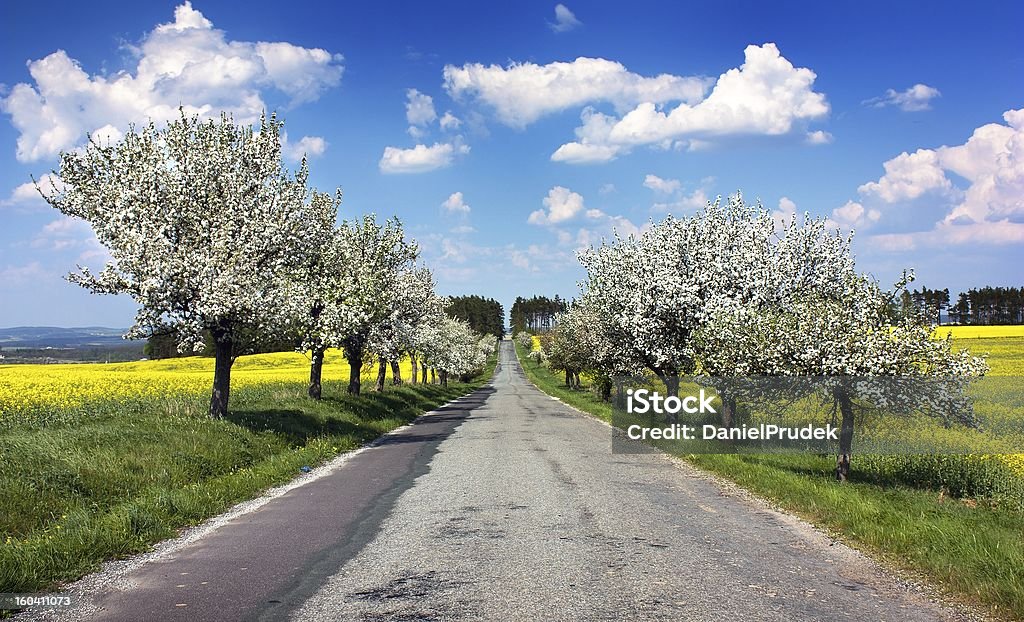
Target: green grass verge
118,480
968,549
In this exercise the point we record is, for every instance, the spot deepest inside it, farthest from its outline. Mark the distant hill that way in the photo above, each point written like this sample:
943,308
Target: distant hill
57,337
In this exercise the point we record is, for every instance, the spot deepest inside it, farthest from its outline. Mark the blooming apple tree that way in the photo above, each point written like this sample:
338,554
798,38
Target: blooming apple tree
377,255
453,348
315,313
723,293
201,221
414,303
653,292
525,340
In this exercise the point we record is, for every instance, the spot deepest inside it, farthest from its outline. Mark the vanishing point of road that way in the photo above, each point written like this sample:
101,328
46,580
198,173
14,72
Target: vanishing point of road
506,505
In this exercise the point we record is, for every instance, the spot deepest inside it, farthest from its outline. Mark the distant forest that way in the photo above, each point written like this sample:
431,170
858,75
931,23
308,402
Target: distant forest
536,314
983,306
484,315
121,353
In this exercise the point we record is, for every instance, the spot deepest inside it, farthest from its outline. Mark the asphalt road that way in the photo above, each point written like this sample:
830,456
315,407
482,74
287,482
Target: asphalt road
509,505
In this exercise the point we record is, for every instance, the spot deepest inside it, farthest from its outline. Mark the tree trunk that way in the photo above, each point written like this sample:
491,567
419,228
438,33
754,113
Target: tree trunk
444,378
671,381
382,374
433,375
671,384
845,434
728,411
396,372
412,359
568,378
316,368
354,354
223,358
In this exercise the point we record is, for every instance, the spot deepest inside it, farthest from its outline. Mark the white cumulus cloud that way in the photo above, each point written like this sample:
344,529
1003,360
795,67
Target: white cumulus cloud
455,204
766,95
987,209
664,186
521,93
683,203
186,62
992,161
604,227
421,158
565,20
27,197
908,176
561,205
673,198
914,99
784,214
419,108
818,137
449,121
308,146
583,153
853,215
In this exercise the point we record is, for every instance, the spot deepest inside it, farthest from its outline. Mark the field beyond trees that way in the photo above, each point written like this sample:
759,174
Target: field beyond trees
37,394
919,518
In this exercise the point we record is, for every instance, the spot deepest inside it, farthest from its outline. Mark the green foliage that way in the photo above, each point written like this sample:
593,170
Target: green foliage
988,477
536,313
989,305
484,315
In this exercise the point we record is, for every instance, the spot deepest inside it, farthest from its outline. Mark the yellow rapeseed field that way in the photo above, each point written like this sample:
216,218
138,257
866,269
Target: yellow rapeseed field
981,332
68,386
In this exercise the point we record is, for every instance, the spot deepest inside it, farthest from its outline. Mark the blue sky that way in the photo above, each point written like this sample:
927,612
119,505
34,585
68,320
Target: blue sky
557,124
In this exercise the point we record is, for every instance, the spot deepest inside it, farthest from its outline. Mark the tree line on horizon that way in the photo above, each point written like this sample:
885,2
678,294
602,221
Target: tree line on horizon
984,306
484,315
537,313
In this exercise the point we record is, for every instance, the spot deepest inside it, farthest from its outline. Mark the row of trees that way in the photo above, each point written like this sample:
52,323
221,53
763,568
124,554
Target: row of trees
223,247
985,305
726,293
536,314
484,315
989,305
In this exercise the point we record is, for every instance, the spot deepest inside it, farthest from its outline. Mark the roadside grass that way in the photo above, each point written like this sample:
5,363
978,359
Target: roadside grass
972,549
114,481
